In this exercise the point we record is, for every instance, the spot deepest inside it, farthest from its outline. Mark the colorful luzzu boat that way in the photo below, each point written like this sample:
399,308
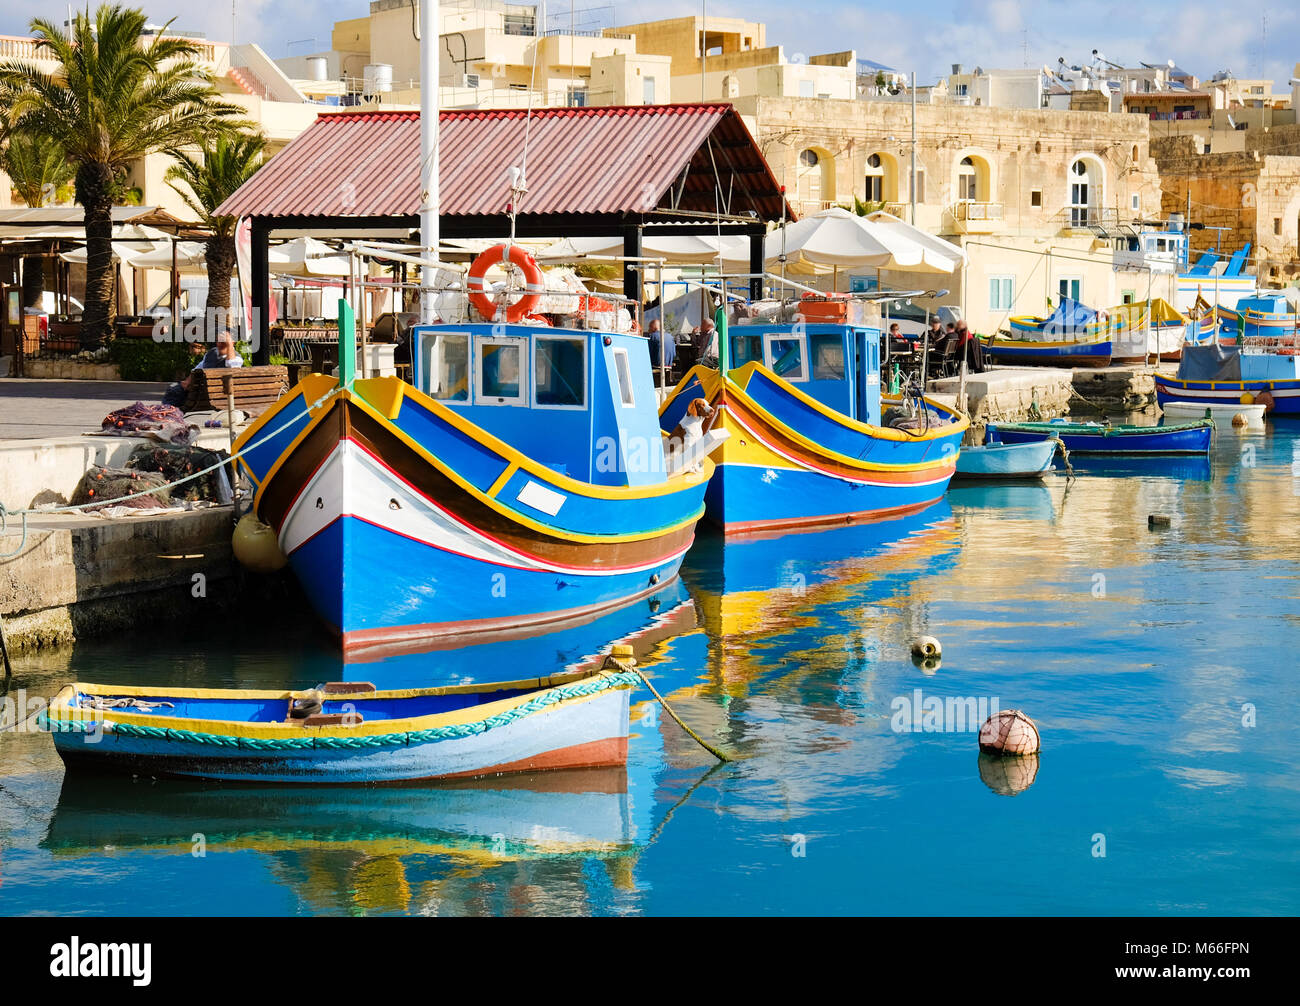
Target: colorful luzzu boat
806,445
345,733
1260,368
520,480
1103,438
1144,330
1071,336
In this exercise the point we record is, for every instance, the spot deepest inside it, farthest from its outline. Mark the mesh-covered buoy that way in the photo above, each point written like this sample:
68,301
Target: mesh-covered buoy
256,547
1239,419
1010,732
1008,776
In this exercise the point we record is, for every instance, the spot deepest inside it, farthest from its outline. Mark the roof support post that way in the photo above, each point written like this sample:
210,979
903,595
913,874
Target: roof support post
632,268
756,236
260,324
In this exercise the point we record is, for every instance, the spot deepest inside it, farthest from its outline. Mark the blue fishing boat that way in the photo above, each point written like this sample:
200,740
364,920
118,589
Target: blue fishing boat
519,479
1071,336
1260,368
1029,460
806,441
345,732
1103,438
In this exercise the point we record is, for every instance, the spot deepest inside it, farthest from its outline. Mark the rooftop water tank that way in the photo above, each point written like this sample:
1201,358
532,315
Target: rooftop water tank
1176,223
377,78
317,68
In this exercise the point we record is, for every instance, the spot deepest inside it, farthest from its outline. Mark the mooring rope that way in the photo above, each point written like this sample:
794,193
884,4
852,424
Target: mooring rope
632,669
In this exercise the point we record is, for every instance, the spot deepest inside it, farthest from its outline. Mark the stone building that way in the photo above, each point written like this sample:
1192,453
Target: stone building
1029,194
1254,194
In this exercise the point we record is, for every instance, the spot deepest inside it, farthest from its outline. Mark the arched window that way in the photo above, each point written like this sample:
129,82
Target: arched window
967,181
1085,192
881,179
816,178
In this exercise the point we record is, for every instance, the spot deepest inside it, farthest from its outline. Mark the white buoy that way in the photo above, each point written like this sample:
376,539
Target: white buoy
1010,732
926,648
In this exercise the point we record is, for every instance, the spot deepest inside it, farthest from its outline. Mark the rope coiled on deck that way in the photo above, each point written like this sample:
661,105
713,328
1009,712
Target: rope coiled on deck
456,731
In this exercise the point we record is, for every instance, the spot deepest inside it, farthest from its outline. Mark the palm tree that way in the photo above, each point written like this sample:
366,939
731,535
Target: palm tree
112,99
227,162
37,168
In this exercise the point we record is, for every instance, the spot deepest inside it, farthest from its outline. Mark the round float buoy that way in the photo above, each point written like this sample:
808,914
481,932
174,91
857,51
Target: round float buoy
1239,420
1265,399
533,285
1246,398
926,648
256,546
1010,732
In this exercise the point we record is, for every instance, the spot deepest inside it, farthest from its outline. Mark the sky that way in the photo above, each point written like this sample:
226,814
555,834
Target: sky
1202,36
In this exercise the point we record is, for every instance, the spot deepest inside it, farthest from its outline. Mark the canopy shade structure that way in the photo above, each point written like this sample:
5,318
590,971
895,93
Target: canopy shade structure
834,240
145,248
674,249
625,171
307,257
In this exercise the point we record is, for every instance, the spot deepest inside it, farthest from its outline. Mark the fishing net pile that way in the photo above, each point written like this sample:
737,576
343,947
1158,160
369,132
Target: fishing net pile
161,422
175,462
106,486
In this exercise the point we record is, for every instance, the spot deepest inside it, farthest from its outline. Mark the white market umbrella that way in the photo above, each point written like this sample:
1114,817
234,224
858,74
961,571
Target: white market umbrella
835,239
675,249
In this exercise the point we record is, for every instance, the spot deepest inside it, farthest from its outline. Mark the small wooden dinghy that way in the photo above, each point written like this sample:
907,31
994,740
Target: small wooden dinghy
1220,412
345,732
1030,460
1103,438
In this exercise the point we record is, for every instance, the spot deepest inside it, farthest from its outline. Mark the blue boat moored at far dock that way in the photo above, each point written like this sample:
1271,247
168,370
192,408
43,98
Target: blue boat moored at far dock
1103,438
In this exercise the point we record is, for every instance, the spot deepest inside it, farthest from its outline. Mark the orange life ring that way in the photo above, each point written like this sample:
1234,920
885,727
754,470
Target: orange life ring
518,257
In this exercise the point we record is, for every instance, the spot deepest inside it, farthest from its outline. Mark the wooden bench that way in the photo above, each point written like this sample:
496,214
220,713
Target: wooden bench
254,388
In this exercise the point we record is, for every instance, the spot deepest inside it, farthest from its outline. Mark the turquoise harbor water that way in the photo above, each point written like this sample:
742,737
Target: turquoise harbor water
1161,666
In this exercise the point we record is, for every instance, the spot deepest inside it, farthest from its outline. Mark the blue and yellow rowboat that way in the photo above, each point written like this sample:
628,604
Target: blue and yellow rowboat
521,480
805,443
1071,353
345,732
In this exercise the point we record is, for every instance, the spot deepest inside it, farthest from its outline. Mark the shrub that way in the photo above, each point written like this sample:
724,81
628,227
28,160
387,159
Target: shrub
146,360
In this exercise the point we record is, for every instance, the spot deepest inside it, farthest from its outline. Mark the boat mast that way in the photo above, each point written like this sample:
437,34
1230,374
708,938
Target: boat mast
430,25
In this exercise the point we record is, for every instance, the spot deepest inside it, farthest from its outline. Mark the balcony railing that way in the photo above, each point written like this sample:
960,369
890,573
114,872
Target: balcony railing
977,211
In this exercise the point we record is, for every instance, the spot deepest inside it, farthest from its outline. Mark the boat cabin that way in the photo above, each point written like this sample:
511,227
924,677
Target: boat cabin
837,365
581,402
1163,251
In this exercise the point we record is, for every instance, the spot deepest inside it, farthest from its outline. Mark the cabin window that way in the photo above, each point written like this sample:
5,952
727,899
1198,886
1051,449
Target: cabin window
500,371
744,349
446,364
827,358
559,373
623,371
786,356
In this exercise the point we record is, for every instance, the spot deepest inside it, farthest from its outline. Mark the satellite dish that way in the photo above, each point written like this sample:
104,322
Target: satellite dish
1171,64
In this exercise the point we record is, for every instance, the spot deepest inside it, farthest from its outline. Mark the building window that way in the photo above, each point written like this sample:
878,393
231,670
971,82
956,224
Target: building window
1036,198
1277,226
878,188
1127,297
1137,204
648,91
808,158
967,181
816,179
1002,292
576,97
1085,191
1070,287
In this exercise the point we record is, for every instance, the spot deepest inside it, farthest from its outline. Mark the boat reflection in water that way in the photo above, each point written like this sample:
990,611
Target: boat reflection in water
377,849
1029,499
571,645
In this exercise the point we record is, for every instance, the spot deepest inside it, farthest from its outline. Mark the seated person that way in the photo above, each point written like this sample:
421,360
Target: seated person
222,354
663,350
705,339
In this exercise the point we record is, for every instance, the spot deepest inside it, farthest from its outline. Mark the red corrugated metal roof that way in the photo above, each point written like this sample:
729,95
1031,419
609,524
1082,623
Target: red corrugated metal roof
612,160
